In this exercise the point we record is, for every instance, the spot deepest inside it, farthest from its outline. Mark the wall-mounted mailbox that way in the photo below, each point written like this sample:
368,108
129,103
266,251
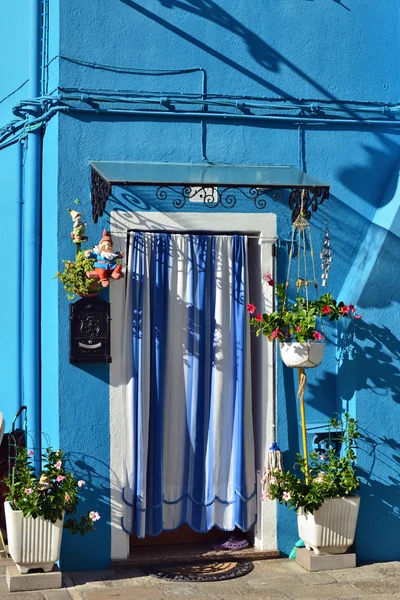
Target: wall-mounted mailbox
90,331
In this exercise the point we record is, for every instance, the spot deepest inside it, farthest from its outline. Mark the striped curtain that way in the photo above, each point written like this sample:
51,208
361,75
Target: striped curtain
189,446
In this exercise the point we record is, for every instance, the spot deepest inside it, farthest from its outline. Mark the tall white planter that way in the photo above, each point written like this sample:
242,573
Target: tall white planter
331,528
32,543
305,356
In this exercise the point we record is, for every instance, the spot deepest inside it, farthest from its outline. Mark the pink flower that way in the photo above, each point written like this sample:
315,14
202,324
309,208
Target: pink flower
94,516
259,318
264,496
352,308
276,333
286,496
317,336
326,310
357,316
268,277
345,310
81,482
251,308
67,497
298,328
60,478
29,491
58,464
31,452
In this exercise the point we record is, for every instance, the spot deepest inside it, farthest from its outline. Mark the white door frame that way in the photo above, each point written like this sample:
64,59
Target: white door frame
262,225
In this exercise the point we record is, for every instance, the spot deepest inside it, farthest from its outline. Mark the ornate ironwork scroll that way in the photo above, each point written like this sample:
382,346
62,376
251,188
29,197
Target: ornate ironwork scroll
101,190
214,196
311,198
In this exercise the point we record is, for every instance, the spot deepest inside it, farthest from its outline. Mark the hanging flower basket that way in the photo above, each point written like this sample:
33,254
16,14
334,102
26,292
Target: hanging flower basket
304,356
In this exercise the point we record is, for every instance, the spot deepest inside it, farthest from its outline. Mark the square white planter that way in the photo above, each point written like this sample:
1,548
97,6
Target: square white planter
32,543
331,528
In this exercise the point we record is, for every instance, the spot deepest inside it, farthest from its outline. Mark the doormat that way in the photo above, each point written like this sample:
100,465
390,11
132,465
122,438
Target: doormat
205,571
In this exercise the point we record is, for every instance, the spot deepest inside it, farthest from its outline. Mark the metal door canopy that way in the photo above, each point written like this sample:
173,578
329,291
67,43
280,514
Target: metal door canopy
217,184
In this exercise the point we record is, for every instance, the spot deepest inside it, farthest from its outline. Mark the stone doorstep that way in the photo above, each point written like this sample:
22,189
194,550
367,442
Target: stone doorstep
324,562
29,582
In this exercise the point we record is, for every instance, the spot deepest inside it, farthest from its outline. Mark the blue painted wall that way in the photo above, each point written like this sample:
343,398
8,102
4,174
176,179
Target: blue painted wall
320,50
14,75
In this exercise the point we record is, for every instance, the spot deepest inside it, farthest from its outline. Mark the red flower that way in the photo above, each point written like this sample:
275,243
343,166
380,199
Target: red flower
259,318
251,308
357,316
326,310
298,328
268,277
345,310
317,336
352,308
276,333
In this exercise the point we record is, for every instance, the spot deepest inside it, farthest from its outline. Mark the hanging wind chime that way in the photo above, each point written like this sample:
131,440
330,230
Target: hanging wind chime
326,255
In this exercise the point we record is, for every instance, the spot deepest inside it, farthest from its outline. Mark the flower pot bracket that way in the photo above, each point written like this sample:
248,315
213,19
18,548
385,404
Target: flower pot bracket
213,184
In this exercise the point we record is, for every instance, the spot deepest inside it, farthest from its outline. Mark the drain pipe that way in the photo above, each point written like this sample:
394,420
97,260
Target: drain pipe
18,289
32,217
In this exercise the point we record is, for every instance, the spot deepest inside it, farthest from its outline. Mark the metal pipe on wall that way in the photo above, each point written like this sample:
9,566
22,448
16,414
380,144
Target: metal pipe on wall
19,275
31,236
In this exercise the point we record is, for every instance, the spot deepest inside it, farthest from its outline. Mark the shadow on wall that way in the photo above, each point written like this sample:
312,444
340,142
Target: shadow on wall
261,52
94,495
335,1
379,519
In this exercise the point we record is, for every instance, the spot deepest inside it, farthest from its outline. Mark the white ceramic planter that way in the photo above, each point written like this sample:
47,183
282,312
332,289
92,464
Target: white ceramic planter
306,356
32,543
331,528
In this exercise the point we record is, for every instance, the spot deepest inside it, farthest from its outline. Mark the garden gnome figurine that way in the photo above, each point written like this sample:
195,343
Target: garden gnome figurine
106,265
78,234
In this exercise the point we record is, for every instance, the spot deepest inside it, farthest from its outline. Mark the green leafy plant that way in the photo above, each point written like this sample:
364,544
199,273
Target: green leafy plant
49,495
329,476
74,277
296,320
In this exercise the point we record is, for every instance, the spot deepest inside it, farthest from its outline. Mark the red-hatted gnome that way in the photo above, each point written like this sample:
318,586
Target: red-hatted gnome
106,265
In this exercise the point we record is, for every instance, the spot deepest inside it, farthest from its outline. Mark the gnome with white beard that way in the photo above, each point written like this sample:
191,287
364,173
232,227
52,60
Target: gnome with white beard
106,266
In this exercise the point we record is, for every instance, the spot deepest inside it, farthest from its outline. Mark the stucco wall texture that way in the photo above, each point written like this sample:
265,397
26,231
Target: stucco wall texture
321,50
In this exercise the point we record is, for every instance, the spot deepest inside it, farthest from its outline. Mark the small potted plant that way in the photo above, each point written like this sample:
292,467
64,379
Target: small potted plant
323,494
35,507
75,280
294,325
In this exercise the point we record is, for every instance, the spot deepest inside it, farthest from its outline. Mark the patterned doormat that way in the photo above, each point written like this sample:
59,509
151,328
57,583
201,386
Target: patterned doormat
205,571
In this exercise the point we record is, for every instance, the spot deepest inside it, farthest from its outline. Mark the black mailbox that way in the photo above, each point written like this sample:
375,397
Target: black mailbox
90,331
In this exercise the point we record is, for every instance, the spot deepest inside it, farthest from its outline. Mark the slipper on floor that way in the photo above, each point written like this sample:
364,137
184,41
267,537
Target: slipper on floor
232,543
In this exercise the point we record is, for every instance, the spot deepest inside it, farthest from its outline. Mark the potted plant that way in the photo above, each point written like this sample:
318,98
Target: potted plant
35,507
75,280
323,494
294,324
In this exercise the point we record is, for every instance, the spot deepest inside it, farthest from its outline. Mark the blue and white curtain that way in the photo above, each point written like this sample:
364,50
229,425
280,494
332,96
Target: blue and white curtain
189,447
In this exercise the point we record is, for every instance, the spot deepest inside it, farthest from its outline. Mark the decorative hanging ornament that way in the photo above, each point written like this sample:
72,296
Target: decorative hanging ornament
326,256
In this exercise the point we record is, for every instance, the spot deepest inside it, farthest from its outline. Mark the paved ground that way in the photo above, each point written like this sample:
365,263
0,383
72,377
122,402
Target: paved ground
278,579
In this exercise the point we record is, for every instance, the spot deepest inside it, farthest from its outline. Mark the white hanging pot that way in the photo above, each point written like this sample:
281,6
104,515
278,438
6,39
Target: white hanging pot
331,528
32,543
305,356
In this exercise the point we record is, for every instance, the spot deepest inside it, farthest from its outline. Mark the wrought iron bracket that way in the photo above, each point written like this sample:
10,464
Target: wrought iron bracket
101,191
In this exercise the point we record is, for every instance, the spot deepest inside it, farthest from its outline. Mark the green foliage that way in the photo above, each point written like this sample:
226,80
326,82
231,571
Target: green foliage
331,476
296,321
74,277
49,495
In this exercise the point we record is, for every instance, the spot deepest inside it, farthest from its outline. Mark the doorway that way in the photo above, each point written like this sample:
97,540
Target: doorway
261,239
